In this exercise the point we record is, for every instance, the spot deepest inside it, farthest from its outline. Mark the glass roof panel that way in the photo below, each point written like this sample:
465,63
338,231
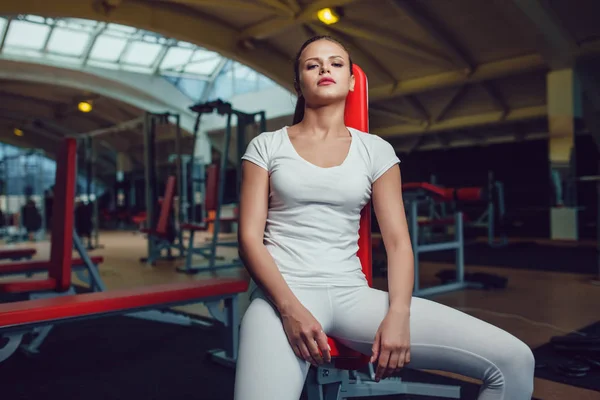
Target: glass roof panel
141,53
203,62
27,34
187,66
68,41
108,48
176,58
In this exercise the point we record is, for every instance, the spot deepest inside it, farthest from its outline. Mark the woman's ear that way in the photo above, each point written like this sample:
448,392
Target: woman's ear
352,83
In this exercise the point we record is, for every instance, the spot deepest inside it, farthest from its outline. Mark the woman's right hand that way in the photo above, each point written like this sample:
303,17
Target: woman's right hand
306,335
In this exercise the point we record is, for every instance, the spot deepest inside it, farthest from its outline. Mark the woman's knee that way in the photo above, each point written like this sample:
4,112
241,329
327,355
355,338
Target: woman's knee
515,365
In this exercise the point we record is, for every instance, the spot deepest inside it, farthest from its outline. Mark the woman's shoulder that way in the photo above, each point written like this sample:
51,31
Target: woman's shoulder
371,141
265,144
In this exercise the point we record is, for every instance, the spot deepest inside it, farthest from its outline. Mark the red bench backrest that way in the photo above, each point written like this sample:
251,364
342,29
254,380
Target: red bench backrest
166,206
212,187
357,117
61,249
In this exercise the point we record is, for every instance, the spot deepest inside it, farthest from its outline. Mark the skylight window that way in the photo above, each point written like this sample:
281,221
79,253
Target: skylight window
108,48
27,34
176,58
67,41
75,41
141,53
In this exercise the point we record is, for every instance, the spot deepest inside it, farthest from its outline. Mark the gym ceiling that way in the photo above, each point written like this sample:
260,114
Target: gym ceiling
441,72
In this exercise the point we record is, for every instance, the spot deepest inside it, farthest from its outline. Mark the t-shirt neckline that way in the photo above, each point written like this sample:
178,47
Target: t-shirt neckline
353,139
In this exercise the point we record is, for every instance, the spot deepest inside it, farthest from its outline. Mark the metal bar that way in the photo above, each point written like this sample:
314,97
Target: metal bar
148,174
426,248
179,166
221,190
460,250
414,238
124,126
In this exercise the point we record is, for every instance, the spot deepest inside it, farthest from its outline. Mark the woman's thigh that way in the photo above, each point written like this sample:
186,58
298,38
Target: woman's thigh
442,338
267,367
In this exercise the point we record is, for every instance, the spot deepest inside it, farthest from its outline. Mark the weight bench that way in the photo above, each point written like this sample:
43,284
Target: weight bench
340,379
160,237
53,300
22,317
17,254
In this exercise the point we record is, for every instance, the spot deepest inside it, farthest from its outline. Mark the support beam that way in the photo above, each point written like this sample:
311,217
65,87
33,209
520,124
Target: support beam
458,94
407,47
418,14
558,47
490,118
133,124
394,115
272,26
564,111
488,71
244,5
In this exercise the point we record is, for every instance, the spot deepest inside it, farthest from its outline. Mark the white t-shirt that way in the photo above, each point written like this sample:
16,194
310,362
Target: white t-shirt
314,213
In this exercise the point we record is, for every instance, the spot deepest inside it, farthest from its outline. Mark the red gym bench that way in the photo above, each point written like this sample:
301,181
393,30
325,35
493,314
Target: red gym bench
56,302
17,253
340,379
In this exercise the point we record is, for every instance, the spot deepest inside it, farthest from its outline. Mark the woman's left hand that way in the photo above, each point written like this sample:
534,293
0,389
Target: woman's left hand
392,344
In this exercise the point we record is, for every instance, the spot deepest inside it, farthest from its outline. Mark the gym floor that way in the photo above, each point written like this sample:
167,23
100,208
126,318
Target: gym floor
535,306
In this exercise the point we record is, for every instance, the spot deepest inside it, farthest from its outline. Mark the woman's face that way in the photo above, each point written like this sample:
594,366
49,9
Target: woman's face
324,71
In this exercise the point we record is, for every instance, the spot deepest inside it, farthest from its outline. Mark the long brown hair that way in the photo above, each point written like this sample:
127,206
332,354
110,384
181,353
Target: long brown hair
301,103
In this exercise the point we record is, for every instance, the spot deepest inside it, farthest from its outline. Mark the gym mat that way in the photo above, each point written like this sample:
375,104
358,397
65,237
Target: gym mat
548,361
527,255
127,358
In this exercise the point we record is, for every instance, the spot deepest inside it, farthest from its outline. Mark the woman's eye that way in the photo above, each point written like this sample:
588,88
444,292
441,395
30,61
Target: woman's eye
311,66
337,64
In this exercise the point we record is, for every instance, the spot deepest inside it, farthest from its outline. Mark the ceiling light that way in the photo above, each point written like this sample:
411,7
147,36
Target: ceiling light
328,16
85,106
18,132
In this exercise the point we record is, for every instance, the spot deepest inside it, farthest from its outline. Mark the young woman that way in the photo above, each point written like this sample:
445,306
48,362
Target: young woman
302,192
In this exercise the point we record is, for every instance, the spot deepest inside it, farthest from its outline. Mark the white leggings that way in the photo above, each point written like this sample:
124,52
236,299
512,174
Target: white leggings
442,338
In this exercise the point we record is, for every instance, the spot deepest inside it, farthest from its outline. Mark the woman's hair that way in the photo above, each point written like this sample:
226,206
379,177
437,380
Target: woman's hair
300,104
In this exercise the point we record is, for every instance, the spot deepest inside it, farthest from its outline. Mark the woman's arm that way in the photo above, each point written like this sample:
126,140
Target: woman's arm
254,200
391,345
389,209
304,332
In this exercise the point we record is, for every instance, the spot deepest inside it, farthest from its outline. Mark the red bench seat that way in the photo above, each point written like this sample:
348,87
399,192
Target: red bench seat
17,253
26,314
35,285
41,265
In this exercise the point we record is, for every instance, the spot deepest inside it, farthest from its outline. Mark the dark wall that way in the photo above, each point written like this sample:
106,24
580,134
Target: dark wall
523,168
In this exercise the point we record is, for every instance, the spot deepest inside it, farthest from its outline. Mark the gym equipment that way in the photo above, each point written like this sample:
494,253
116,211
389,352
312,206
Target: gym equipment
23,179
493,218
214,186
89,212
55,301
341,379
163,235
17,254
157,243
416,194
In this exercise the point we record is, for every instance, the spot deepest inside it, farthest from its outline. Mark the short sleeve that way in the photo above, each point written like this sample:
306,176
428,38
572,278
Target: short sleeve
383,157
257,152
